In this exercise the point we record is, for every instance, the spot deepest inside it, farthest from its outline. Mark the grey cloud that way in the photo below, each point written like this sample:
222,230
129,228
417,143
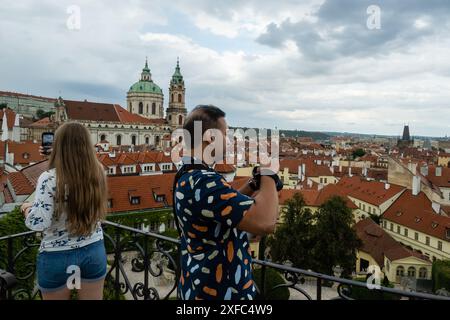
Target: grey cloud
320,40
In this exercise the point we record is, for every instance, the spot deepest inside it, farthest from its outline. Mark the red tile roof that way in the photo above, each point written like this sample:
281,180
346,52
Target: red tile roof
43,123
378,243
373,192
10,117
416,212
312,169
145,187
20,183
24,152
443,180
33,171
128,117
92,111
316,198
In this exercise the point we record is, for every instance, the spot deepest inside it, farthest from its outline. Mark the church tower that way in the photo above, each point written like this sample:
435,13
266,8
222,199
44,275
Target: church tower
176,112
145,97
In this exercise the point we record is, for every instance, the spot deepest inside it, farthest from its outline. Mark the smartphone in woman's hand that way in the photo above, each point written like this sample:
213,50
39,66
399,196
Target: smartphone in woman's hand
47,142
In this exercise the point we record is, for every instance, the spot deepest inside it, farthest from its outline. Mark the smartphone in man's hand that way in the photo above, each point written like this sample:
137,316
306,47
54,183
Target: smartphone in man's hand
47,142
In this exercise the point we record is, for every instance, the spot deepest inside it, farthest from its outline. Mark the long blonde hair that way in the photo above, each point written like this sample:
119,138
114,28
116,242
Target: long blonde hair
81,187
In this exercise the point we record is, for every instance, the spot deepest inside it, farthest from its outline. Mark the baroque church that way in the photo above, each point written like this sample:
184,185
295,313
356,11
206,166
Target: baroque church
142,122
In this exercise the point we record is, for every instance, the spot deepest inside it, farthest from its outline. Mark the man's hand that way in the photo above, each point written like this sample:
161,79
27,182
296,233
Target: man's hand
25,208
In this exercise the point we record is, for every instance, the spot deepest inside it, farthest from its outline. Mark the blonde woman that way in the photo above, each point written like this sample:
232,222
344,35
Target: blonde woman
70,202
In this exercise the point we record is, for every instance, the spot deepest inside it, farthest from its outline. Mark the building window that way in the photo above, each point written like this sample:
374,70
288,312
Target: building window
119,140
398,229
130,107
179,97
171,98
180,119
364,207
141,108
406,232
135,200
416,236
412,272
102,137
391,227
110,203
423,273
427,241
147,140
440,245
400,271
147,108
133,140
384,224
153,108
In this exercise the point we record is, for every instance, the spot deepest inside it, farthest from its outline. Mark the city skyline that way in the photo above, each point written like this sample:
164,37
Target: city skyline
313,66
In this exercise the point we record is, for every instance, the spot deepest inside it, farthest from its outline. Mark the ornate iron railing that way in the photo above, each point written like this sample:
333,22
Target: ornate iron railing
144,266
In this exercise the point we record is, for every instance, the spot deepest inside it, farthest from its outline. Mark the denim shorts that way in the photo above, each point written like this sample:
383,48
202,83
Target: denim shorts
55,267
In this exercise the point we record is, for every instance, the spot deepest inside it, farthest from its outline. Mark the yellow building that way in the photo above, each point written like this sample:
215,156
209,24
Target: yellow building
381,250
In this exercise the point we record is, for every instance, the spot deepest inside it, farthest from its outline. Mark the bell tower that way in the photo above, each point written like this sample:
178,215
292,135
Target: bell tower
176,112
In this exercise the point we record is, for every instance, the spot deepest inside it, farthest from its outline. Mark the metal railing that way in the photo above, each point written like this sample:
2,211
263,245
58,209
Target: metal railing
145,266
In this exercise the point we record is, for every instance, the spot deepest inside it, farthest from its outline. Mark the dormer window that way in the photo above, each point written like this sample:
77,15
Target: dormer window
26,155
417,219
434,224
398,213
135,200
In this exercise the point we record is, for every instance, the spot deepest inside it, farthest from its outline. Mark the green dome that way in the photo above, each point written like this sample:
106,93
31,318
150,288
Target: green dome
145,87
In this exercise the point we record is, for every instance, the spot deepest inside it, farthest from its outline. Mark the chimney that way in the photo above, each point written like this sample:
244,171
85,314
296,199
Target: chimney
416,185
424,170
438,171
387,186
303,171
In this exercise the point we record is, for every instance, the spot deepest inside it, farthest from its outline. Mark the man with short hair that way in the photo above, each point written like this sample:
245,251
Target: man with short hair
214,219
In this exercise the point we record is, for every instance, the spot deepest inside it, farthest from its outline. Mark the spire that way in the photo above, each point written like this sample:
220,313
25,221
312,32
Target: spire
406,135
177,78
146,74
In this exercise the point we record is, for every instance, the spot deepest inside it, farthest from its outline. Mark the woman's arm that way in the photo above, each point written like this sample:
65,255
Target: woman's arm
39,216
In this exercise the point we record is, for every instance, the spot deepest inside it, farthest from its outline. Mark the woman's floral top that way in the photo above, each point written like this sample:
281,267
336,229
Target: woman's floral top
41,217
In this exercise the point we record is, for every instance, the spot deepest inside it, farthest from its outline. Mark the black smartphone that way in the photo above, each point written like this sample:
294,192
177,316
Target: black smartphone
47,141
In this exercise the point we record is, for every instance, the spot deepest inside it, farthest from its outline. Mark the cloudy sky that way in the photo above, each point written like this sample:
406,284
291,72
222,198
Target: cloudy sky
309,65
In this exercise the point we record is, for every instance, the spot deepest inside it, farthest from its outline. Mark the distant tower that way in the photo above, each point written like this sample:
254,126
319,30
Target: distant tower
406,140
406,136
176,112
145,97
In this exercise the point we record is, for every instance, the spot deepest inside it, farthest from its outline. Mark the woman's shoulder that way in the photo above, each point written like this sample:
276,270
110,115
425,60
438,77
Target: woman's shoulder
47,175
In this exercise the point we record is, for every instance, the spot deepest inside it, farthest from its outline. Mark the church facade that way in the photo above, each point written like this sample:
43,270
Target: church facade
143,122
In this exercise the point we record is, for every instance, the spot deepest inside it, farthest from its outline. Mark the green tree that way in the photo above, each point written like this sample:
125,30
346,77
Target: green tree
295,237
41,114
336,241
358,153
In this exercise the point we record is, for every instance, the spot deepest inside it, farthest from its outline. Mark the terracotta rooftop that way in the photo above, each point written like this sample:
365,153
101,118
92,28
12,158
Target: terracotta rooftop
416,212
24,152
121,188
378,243
373,192
10,117
20,183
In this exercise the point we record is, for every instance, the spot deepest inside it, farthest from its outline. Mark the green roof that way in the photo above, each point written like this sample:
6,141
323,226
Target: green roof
145,87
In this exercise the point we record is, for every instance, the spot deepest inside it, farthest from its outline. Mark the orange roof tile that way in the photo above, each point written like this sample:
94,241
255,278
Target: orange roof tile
373,192
121,187
416,212
378,243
